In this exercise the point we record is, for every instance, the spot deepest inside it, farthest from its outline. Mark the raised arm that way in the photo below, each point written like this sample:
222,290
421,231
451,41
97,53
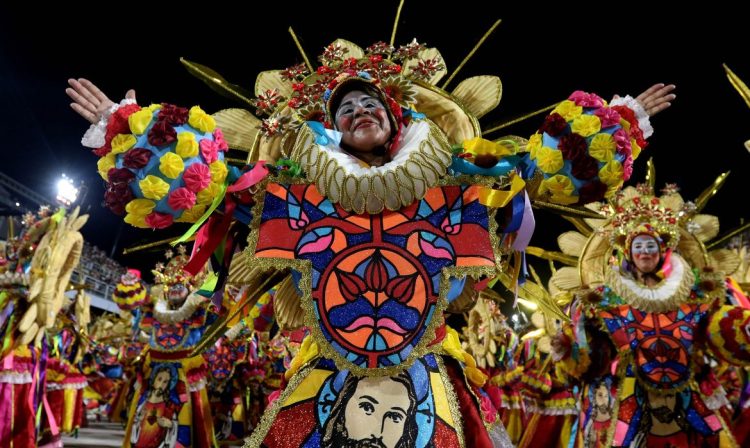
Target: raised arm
89,101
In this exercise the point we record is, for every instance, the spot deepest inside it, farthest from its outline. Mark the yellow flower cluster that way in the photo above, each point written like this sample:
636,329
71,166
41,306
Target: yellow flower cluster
153,187
139,121
137,210
104,164
200,120
560,188
122,142
186,147
568,110
602,147
549,160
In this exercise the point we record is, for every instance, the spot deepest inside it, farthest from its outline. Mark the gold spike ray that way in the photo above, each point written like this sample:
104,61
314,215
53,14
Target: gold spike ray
165,241
471,53
567,210
520,119
217,82
738,84
651,173
301,50
580,225
710,192
552,255
395,21
727,236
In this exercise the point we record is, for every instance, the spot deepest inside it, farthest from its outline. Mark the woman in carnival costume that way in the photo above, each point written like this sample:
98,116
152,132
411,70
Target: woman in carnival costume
649,321
379,217
36,268
170,407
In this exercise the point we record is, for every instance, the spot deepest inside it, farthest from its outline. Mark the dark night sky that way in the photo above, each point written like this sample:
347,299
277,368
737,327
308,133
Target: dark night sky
541,54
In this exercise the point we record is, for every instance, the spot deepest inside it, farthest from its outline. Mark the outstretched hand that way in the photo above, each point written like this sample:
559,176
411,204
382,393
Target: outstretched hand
88,101
657,98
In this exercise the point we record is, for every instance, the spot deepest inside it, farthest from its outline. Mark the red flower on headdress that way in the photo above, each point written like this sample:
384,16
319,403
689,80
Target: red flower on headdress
585,167
120,175
162,133
117,196
136,158
592,191
573,146
157,220
173,114
554,124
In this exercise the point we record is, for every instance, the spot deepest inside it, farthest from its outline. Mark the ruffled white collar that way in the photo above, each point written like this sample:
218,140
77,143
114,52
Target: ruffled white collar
669,294
423,158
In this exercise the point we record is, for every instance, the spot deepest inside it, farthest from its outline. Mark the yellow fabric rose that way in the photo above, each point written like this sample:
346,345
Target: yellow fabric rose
122,142
625,124
602,147
611,173
560,188
586,125
171,165
186,147
192,214
568,109
207,195
218,171
140,207
153,107
636,150
201,120
479,146
104,164
136,220
549,160
153,187
139,121
535,142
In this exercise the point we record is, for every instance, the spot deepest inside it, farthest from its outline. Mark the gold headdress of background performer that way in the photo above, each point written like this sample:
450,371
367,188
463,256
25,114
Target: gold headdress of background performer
676,223
54,244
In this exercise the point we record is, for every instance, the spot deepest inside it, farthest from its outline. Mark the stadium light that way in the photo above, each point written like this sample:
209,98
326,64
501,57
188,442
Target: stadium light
67,192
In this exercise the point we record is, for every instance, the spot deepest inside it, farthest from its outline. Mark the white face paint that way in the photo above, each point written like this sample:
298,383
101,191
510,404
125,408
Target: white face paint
644,244
645,253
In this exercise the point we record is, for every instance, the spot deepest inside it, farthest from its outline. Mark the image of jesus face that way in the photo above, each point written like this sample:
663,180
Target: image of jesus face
377,411
373,412
645,253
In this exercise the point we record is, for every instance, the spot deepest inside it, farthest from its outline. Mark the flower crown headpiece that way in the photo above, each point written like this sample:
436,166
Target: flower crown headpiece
644,214
387,69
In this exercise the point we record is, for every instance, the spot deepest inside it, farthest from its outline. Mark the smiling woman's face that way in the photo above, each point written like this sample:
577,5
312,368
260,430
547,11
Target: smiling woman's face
363,122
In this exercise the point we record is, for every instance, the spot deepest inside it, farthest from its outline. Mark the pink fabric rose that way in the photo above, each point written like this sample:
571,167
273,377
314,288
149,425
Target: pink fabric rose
209,150
197,177
181,199
627,167
585,99
608,116
220,141
157,220
622,140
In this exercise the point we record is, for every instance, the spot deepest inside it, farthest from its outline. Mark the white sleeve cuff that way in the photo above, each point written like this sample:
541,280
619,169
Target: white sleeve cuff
94,136
640,113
